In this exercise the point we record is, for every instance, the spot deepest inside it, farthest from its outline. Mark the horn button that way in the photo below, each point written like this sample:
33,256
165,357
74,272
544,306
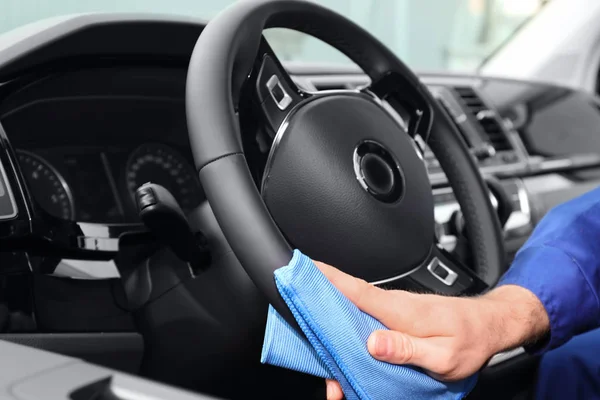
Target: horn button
346,186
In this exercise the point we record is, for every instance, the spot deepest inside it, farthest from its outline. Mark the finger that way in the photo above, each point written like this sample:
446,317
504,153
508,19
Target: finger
399,348
367,297
334,390
435,355
395,309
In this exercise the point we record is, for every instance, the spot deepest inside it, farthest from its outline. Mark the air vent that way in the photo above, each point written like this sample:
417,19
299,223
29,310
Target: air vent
485,116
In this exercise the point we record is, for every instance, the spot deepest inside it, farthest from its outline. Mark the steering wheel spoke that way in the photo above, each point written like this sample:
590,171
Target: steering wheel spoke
444,274
407,99
276,92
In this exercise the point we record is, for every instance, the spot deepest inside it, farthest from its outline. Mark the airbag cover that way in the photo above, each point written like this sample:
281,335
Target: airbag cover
314,195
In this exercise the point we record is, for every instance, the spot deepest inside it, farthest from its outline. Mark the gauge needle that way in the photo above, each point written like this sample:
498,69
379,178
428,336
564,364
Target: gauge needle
113,185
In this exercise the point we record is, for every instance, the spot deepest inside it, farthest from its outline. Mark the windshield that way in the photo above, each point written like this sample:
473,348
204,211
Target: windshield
454,35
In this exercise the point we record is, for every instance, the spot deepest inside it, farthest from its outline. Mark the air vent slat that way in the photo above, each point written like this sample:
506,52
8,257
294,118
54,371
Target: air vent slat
488,123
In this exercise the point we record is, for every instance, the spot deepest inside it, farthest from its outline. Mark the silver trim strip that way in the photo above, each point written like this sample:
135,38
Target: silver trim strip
103,237
505,356
86,269
522,218
8,189
524,198
275,145
395,278
98,244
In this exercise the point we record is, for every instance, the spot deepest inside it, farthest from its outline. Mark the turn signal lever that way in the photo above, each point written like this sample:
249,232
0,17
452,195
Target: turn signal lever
163,216
151,263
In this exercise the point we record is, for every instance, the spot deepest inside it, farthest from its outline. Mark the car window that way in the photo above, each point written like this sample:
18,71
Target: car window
428,34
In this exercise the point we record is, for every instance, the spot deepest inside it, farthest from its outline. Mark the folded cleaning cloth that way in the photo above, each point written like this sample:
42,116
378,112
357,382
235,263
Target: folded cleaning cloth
337,333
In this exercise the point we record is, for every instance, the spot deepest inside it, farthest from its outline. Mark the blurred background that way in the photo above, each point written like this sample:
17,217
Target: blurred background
430,35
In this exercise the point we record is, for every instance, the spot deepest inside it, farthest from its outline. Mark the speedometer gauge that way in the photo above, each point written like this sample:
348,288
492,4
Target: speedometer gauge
46,185
163,165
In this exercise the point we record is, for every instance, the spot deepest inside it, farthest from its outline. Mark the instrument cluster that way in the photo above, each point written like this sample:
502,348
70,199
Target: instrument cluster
89,184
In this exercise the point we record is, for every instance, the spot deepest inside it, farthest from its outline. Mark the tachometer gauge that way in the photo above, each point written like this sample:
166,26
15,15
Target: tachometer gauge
47,186
163,165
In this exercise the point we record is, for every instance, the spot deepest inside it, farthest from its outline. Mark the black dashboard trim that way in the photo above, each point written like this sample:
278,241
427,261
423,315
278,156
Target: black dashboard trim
89,98
134,34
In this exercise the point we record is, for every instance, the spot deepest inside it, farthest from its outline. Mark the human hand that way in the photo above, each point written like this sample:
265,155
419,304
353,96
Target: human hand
450,337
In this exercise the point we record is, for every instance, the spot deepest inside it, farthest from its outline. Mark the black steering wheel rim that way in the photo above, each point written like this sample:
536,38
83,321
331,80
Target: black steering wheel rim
221,62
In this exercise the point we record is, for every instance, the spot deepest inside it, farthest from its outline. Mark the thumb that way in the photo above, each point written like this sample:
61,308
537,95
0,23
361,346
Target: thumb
430,354
398,348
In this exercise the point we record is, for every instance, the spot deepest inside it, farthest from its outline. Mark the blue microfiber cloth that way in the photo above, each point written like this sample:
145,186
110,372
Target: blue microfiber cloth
337,333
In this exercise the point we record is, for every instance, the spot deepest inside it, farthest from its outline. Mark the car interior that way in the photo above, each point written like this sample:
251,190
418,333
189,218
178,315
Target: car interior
155,171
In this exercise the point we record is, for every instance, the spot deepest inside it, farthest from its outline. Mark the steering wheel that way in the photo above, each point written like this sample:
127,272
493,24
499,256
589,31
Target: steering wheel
344,181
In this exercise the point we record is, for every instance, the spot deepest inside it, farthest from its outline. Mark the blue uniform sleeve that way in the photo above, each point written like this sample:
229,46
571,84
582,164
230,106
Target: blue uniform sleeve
560,264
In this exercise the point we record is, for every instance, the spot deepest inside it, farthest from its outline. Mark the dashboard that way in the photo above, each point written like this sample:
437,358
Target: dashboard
90,124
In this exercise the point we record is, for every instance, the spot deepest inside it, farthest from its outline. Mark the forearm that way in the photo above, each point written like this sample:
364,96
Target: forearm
516,317
560,265
565,285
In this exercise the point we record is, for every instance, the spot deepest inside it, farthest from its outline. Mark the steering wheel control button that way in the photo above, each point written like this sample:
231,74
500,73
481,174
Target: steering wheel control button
378,172
442,272
278,93
8,207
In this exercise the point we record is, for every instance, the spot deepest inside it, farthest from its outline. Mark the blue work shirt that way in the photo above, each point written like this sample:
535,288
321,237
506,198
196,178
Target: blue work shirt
560,264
